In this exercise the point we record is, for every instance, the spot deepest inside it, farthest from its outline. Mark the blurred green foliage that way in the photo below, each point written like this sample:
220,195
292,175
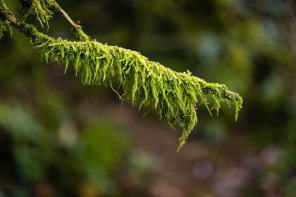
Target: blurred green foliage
246,45
66,155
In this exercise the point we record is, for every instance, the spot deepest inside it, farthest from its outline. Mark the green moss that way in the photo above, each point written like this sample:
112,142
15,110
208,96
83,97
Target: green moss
42,9
174,95
5,26
80,35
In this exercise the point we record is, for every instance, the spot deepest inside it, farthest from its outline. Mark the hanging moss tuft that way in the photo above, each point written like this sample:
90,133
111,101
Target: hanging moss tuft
174,95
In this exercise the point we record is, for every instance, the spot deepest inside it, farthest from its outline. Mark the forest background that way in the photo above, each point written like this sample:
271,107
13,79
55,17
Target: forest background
61,138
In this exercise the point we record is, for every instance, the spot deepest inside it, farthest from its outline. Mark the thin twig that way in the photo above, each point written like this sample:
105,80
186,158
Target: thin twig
68,18
40,21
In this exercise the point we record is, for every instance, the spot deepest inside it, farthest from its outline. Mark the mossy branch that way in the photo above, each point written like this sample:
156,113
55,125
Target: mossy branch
174,95
44,10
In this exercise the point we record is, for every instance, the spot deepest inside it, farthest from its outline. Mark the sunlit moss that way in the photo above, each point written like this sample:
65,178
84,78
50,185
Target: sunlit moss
174,95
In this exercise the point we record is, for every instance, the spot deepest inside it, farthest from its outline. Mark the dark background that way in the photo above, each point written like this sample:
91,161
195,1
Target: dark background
61,138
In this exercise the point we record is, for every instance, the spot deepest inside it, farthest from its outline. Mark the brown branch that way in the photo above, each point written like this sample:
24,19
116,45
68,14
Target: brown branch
29,30
77,29
39,19
5,14
67,17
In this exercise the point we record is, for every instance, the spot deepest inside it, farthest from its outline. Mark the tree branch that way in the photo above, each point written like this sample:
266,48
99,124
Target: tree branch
30,31
68,18
43,11
77,29
174,95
